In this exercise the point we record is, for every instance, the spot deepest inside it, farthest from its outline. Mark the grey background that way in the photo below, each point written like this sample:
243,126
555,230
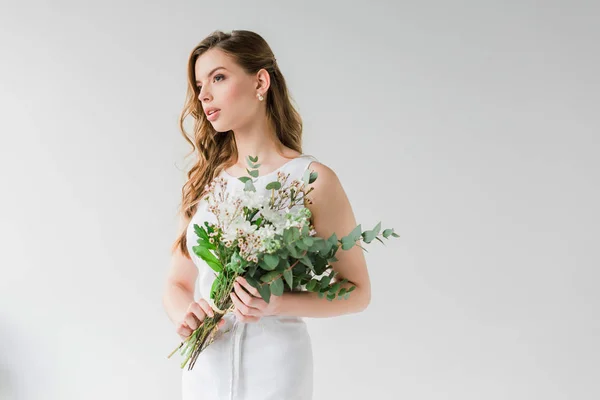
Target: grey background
471,127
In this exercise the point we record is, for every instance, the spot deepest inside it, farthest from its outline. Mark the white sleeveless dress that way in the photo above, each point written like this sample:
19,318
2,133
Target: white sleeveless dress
266,360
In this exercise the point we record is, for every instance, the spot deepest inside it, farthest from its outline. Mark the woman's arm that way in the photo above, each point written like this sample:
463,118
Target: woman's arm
332,212
179,287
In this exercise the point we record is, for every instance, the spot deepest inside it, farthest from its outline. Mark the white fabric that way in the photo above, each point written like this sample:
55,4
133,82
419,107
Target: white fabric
265,360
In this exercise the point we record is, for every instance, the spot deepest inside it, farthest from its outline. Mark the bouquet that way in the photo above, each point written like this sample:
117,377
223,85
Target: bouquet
270,241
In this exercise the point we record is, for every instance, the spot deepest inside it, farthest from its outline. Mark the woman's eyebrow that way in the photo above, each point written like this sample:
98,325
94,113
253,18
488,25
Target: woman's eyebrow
212,72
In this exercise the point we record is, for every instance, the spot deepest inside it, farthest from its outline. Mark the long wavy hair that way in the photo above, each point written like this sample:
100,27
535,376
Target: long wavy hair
215,151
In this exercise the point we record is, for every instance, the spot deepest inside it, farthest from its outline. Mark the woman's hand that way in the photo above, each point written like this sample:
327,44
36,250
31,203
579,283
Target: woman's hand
249,305
194,317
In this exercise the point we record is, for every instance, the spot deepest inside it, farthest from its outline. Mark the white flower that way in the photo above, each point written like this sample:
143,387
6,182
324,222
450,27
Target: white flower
253,199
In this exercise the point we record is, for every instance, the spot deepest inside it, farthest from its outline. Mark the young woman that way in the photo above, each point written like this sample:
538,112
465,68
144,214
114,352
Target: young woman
240,104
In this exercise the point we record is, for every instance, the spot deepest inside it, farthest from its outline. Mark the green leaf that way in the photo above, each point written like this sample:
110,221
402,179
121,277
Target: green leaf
377,228
205,244
300,245
347,243
263,264
369,236
244,179
249,186
253,173
313,177
335,287
325,281
306,261
277,287
331,296
213,289
276,185
295,232
201,232
306,176
269,276
271,260
265,292
251,281
253,159
293,251
207,256
355,234
311,285
333,240
387,233
287,274
305,231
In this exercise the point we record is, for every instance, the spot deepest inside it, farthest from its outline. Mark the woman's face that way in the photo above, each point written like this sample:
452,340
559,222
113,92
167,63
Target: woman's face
226,86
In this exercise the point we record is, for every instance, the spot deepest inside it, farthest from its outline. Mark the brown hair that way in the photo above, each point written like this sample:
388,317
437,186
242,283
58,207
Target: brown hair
214,150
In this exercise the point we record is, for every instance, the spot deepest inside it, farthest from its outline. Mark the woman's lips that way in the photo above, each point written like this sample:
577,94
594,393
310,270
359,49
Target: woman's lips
213,116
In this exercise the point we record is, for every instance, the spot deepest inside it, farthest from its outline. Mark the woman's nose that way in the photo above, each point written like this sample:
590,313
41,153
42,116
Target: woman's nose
203,96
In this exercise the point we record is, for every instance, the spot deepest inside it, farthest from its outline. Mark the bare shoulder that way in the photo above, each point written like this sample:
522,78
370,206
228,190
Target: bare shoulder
330,205
332,213
327,182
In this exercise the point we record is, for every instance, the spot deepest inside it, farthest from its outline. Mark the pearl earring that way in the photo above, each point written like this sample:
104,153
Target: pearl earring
260,97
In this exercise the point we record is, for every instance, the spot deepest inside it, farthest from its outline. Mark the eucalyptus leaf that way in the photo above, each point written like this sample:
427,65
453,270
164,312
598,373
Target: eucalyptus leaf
325,281
287,274
276,185
277,287
347,243
271,260
265,292
269,276
252,282
306,261
249,186
263,264
306,176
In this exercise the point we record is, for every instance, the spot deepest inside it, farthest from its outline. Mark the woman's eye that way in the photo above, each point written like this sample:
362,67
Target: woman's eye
216,76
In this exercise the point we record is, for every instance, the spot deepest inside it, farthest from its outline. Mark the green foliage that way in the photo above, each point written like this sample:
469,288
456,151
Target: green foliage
275,185
277,287
249,186
204,247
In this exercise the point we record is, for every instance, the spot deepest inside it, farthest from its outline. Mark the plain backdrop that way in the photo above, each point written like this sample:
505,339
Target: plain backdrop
471,127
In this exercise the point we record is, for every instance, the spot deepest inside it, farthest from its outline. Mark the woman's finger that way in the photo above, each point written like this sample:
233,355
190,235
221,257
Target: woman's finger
206,307
191,320
197,310
244,309
183,331
244,318
246,298
251,289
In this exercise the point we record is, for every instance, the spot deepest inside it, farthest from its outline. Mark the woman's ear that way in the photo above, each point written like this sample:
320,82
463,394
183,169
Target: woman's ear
263,80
